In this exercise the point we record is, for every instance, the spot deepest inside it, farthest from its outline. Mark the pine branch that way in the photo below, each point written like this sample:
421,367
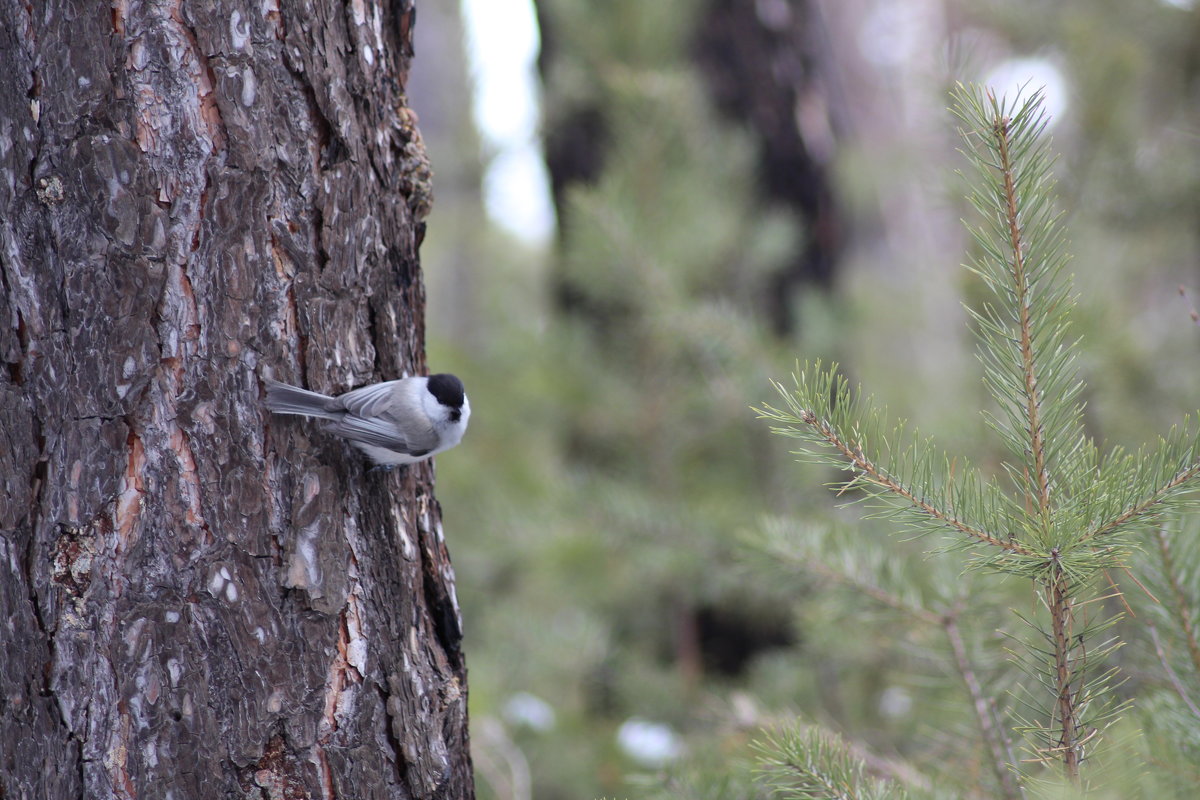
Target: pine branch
1033,400
1074,512
820,552
813,764
1182,604
853,452
808,550
1028,363
1173,471
1029,368
819,424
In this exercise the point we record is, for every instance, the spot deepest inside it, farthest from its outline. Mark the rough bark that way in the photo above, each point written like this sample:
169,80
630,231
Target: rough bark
199,600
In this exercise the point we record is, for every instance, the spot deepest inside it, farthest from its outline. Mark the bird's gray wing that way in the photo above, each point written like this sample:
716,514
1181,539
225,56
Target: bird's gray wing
373,401
402,435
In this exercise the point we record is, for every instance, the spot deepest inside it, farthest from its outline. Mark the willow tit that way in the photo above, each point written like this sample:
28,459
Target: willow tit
395,422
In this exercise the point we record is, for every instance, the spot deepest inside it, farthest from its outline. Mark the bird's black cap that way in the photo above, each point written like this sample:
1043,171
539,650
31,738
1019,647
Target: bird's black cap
448,389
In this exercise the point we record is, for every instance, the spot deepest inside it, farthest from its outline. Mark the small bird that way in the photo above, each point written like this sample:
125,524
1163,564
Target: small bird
395,422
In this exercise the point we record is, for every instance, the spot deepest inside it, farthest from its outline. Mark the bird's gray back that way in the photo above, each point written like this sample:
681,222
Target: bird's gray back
388,415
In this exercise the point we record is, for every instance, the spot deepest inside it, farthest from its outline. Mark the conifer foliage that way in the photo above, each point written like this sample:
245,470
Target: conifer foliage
1062,514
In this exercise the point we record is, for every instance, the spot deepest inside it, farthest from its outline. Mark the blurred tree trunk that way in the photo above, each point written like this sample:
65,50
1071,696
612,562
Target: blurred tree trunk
198,600
762,62
576,143
763,66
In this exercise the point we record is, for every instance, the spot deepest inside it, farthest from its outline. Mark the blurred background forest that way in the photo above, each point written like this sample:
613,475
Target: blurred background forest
646,210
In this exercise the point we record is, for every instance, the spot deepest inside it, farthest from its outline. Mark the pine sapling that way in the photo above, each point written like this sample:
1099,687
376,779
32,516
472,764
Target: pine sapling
1062,514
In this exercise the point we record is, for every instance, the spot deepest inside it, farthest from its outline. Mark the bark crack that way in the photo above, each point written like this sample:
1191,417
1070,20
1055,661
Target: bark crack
35,90
39,615
399,762
442,610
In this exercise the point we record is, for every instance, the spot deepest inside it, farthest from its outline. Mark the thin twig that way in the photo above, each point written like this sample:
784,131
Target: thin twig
1174,678
891,769
1182,608
876,593
1141,586
1117,593
983,713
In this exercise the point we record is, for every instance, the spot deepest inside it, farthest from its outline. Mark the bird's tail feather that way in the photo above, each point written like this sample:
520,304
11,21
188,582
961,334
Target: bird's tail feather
285,399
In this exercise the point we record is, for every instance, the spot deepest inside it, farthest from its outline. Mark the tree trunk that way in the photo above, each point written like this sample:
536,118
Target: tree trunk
763,69
199,600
